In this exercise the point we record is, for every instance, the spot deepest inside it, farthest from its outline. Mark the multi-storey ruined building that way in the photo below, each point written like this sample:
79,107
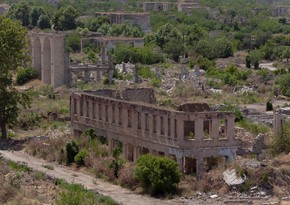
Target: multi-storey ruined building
156,6
136,19
142,127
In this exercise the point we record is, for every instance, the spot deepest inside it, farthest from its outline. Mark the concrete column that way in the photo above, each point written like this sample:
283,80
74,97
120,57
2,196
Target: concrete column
136,153
142,121
214,129
110,113
165,121
180,129
97,110
172,127
103,112
179,161
198,130
134,119
125,117
84,107
116,114
150,123
87,76
78,106
230,128
110,145
158,125
124,150
199,167
90,110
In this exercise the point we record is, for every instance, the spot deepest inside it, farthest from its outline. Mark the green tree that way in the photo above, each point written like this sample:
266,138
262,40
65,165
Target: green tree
166,33
174,48
65,18
284,83
96,23
13,54
44,22
255,57
286,53
20,12
34,15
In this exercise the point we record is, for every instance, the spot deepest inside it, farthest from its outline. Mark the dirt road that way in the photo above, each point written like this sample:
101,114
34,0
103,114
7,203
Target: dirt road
119,194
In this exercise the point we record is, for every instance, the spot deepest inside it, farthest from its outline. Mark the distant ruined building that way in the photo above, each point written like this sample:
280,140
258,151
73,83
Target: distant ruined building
192,136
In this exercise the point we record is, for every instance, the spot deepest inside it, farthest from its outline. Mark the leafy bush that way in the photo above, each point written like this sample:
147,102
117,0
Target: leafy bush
26,74
73,42
145,55
80,157
284,83
72,149
157,174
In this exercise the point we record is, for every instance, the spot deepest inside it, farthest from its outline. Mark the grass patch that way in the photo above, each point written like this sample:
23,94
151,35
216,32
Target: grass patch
76,194
48,166
18,167
253,128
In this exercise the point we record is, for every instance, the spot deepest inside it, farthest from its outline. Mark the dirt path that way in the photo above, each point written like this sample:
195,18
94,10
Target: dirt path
119,194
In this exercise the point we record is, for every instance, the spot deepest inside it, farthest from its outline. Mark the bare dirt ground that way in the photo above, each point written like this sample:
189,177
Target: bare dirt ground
119,194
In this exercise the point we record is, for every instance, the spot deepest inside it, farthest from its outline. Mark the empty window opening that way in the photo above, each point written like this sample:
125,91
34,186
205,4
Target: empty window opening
189,130
206,129
222,129
106,113
87,107
154,123
169,127
146,122
162,125
82,111
213,162
189,165
138,120
120,116
175,128
93,110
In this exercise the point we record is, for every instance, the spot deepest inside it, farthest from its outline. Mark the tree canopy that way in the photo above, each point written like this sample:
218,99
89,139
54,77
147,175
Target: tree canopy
13,54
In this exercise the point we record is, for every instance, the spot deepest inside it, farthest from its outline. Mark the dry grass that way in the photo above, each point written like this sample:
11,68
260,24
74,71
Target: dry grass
126,176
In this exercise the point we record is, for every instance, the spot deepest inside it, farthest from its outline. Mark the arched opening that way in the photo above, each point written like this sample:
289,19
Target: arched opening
46,67
36,61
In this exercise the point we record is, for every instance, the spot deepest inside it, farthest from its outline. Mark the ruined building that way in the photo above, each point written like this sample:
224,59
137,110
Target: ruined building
130,117
156,6
49,57
136,19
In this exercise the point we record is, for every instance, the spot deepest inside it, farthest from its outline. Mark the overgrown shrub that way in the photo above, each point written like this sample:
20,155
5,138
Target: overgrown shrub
72,41
80,157
72,149
144,55
284,84
26,74
158,175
